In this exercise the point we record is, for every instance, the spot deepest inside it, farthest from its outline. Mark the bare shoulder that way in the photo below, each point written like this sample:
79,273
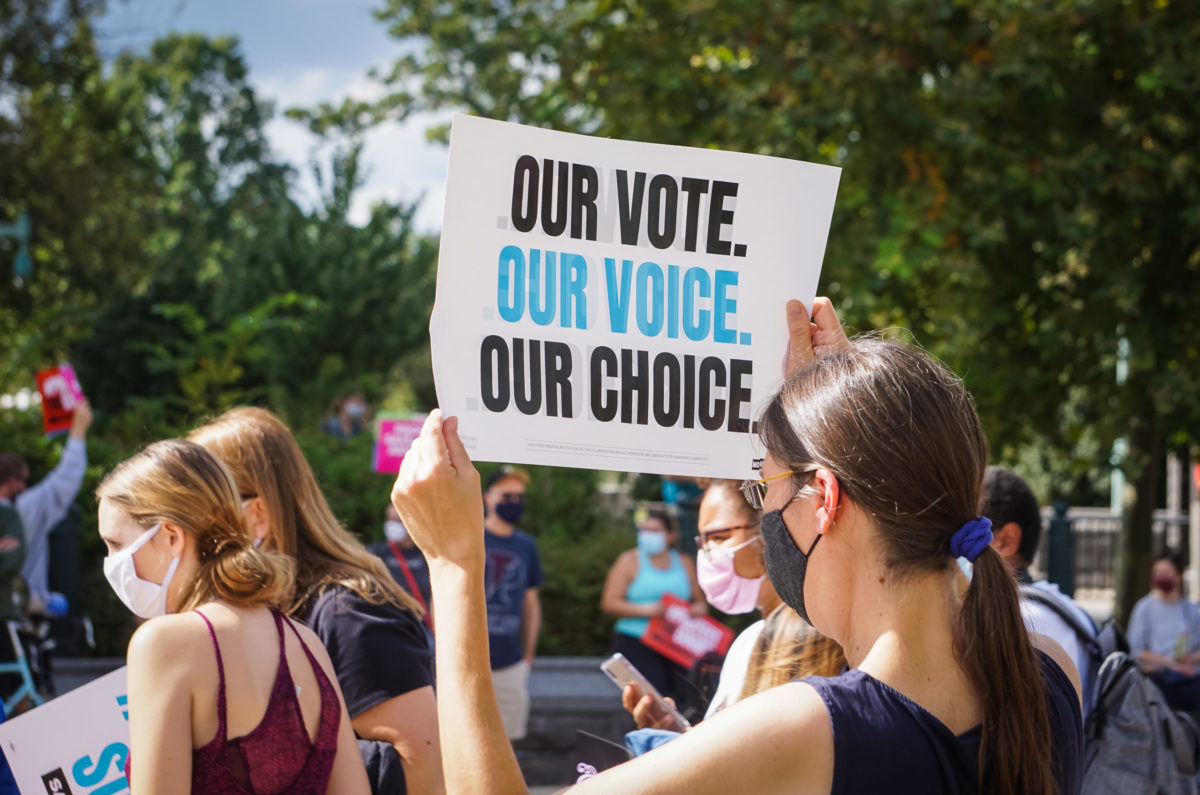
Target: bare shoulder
313,642
626,562
176,642
1049,646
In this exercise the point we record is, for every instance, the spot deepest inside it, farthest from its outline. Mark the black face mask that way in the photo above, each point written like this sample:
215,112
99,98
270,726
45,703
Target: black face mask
510,511
786,564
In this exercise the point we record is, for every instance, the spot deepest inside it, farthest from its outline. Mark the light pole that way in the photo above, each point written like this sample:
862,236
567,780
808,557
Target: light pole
23,264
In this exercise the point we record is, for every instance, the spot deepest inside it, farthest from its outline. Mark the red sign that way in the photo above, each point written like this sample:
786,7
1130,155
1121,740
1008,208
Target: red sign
681,637
60,392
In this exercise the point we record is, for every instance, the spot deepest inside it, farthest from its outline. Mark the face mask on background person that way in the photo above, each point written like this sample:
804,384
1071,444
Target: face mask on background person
723,587
510,512
144,598
395,531
1164,584
651,542
356,409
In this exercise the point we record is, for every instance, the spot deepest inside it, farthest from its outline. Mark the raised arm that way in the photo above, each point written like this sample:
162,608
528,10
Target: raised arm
438,497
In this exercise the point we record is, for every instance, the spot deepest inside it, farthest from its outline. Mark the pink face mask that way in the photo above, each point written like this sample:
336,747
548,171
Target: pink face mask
722,586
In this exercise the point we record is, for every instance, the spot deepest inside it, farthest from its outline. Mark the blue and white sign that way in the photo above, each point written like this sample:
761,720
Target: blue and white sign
75,744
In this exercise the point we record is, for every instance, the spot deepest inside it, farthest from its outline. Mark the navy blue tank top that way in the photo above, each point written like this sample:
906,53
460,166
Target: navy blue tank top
885,742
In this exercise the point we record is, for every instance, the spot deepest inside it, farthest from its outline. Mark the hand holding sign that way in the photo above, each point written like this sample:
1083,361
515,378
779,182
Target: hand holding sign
808,340
438,497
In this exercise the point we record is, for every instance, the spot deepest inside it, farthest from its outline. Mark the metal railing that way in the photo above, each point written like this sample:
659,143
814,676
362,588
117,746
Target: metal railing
1096,532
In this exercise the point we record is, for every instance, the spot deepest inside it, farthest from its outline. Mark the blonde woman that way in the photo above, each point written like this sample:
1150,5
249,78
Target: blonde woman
226,695
370,626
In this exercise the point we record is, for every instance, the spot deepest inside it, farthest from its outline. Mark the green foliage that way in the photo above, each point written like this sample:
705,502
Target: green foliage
575,571
1018,187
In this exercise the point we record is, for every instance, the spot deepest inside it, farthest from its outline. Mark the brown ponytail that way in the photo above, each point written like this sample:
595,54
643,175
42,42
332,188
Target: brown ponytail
182,483
901,434
993,646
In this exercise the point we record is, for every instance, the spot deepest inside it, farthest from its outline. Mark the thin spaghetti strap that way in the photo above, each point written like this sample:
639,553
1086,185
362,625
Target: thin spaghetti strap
317,670
221,724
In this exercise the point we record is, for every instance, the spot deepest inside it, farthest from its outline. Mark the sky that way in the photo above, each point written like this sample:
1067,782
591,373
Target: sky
301,52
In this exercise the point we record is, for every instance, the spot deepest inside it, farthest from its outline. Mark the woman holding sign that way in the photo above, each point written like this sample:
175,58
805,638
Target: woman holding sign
226,694
870,490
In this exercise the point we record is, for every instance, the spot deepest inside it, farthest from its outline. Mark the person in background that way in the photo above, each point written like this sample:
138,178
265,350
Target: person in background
1017,528
732,573
404,562
514,611
633,592
43,505
352,417
1164,635
370,626
225,693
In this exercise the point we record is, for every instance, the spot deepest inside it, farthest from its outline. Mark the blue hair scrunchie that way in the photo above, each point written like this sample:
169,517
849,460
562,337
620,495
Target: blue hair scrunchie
971,539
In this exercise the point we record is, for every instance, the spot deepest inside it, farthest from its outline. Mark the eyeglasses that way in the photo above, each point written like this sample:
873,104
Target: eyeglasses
755,491
719,535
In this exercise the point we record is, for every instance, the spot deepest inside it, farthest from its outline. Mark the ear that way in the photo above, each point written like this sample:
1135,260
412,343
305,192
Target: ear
830,497
1007,540
258,521
174,537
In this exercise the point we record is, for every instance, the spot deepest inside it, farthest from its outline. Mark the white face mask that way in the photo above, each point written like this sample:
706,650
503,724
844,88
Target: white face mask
144,598
395,531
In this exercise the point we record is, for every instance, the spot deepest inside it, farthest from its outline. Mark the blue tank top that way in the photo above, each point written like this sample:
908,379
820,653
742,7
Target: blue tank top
649,585
885,742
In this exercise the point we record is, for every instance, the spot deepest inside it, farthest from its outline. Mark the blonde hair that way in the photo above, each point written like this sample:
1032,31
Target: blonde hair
267,463
181,483
788,649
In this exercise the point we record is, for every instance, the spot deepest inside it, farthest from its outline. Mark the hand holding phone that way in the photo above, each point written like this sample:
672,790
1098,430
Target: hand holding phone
623,673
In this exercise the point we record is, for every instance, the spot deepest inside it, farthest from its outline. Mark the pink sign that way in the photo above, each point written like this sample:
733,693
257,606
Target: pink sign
393,436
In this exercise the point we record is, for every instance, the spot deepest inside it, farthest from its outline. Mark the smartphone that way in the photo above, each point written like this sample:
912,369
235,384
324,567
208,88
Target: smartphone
622,672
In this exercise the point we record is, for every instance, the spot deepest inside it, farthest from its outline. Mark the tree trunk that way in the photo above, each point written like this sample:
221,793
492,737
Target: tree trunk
1143,466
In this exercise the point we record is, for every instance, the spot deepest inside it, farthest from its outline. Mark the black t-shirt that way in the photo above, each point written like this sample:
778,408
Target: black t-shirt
416,566
378,651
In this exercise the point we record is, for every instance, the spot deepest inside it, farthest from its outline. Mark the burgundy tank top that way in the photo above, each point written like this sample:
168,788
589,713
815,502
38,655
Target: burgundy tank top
277,755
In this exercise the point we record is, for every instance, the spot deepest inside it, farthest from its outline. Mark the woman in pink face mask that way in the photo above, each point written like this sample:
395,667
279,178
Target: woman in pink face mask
732,573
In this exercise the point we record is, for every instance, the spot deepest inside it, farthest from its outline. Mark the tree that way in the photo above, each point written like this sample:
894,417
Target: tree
1018,189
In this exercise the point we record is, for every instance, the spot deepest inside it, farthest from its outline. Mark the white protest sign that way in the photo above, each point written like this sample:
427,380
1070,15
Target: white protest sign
618,305
76,743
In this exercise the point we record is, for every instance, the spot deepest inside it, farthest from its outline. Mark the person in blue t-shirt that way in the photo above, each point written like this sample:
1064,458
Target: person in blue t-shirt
512,576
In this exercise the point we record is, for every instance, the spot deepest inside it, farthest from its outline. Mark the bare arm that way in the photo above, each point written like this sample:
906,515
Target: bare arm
531,623
162,658
409,722
438,497
616,585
